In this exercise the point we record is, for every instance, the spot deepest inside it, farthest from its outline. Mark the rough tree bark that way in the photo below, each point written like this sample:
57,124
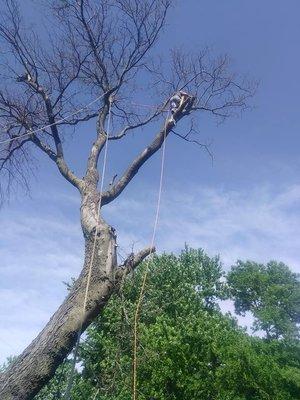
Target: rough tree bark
40,359
100,48
37,364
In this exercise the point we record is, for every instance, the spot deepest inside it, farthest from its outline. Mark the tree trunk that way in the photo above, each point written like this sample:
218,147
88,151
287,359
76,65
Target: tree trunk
38,362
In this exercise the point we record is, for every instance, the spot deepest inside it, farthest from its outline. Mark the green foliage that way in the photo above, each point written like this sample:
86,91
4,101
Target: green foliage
271,292
187,348
177,288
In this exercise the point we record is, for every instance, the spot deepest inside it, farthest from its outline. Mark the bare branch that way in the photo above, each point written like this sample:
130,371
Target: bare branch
146,121
108,44
10,152
95,49
91,172
151,149
75,121
218,91
132,261
60,162
187,139
68,174
129,174
44,147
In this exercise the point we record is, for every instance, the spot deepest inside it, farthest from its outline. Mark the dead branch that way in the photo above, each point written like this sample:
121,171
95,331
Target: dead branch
95,63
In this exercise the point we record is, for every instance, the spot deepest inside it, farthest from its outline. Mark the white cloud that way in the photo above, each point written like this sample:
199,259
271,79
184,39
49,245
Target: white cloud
38,253
260,224
40,249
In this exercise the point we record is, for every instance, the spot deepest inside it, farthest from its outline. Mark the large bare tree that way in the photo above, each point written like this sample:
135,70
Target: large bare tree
94,50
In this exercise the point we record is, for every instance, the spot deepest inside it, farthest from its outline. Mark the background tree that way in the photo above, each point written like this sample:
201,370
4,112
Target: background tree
271,292
93,57
188,349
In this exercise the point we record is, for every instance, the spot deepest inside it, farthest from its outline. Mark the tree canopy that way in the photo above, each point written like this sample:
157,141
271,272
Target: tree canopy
187,348
271,292
91,61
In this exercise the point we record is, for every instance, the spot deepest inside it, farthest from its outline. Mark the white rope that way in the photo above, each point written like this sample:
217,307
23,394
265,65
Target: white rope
142,291
71,377
54,123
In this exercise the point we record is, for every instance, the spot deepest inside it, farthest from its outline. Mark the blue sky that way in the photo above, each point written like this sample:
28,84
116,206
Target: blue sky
245,205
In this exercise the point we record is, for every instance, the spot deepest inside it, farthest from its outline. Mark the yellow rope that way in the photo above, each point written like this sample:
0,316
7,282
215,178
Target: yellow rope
71,377
144,281
136,318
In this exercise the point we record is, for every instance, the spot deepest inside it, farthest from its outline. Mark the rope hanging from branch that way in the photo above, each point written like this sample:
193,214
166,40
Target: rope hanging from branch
144,279
71,376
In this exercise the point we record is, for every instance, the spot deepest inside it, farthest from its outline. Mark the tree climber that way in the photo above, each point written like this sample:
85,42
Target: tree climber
176,102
